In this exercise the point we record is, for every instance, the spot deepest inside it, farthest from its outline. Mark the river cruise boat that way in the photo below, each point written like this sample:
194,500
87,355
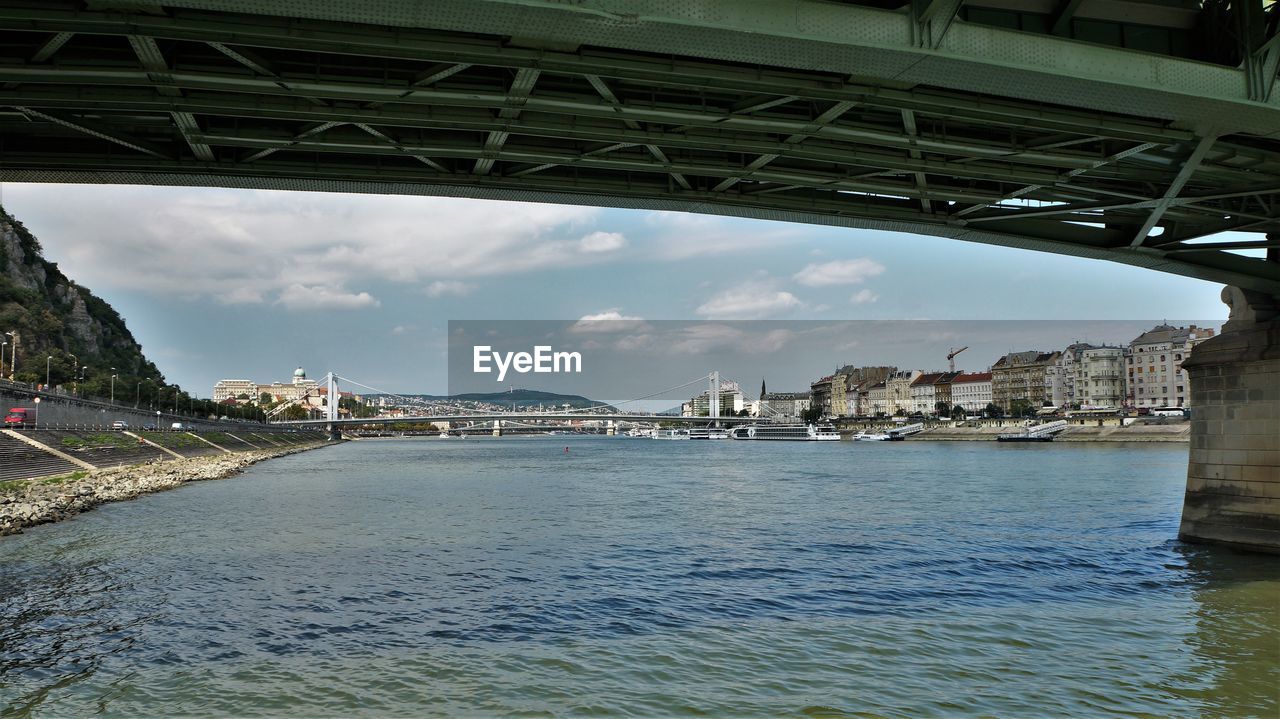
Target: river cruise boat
787,432
708,433
671,434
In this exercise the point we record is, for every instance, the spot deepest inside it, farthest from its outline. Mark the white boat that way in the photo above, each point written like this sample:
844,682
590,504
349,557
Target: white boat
444,435
865,436
708,433
787,432
671,434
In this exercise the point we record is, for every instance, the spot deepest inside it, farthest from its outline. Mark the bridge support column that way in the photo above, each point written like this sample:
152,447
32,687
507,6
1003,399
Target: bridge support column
1233,479
610,429
497,428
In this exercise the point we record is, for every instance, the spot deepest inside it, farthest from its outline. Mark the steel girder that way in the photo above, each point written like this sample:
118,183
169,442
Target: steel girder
187,92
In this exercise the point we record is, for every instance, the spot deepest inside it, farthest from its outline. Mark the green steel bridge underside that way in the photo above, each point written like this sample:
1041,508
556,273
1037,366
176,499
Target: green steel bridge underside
1136,131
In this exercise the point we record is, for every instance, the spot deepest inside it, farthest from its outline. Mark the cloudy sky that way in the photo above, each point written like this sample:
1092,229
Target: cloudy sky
249,284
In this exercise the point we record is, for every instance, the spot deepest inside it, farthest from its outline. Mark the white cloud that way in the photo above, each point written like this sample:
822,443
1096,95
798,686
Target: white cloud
608,321
602,242
609,314
402,329
750,300
862,297
323,297
195,243
440,288
839,272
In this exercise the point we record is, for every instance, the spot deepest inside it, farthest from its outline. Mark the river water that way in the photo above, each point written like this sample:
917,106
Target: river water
639,578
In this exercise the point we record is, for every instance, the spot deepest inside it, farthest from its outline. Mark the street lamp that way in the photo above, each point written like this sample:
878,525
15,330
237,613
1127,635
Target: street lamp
47,360
113,385
37,419
2,346
13,355
137,394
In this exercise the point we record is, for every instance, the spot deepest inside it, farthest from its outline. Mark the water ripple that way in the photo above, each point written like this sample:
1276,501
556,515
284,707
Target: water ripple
407,578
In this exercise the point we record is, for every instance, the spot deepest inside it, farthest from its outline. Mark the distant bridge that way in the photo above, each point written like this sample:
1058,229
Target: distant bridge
514,416
334,421
1112,129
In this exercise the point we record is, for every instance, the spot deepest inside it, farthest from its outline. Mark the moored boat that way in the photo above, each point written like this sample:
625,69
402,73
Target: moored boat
865,436
787,432
671,434
708,433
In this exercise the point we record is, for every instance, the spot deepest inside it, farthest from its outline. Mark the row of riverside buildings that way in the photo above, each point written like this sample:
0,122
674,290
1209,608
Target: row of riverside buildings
1146,373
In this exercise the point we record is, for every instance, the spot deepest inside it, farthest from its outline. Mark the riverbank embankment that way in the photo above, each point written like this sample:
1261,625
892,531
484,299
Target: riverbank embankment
1179,432
26,503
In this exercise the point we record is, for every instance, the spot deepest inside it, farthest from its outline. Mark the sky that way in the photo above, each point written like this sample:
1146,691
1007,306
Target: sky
249,284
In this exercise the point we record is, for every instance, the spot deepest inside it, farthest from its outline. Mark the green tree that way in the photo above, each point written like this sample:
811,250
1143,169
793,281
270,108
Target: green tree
264,398
295,412
958,413
1021,408
942,409
811,415
993,410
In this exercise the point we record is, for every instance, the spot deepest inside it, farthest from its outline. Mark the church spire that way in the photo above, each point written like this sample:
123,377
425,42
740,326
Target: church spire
762,388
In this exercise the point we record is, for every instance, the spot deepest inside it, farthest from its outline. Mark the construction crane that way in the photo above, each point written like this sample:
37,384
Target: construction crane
951,357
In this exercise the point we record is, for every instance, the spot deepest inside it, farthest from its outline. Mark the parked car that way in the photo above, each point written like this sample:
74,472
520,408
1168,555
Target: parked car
149,426
119,424
178,425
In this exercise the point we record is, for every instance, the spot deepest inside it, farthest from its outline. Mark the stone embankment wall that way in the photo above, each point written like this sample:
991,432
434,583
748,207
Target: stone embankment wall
1172,432
32,454
26,504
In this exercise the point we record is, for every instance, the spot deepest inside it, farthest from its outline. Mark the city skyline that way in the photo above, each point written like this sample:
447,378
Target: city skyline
365,284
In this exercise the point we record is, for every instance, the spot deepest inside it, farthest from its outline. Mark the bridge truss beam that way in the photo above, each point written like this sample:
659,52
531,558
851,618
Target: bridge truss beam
230,97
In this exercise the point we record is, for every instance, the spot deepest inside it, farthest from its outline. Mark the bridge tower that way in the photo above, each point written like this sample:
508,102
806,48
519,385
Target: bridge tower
610,429
713,403
331,406
497,428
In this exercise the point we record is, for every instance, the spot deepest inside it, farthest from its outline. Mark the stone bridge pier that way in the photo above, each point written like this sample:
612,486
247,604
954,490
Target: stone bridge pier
1233,478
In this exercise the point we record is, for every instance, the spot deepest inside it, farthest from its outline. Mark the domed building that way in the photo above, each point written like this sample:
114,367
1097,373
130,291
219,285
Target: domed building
279,391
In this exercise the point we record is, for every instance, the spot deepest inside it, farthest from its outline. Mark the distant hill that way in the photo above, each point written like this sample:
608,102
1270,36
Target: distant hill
56,318
522,397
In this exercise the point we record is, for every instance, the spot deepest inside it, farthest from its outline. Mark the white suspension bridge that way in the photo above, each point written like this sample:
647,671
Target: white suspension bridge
498,421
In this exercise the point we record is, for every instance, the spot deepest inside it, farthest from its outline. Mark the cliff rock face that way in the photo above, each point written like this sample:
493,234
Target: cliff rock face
53,316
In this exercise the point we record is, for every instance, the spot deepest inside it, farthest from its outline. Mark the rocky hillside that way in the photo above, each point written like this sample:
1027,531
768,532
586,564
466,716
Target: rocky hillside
53,316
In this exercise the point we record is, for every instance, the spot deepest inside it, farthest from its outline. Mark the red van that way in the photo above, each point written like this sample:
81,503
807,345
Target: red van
18,417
